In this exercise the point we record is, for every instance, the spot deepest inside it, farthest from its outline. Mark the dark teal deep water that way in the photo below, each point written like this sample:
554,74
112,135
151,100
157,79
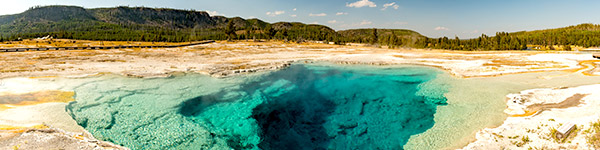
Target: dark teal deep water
301,107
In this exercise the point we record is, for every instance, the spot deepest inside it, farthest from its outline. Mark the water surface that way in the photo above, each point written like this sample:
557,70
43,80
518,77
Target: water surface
317,106
301,107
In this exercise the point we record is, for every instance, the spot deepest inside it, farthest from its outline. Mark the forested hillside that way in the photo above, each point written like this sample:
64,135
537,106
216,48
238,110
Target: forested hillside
585,35
148,24
389,37
172,25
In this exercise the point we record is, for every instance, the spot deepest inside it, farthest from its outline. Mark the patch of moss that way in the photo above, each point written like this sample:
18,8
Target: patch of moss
552,134
593,138
524,140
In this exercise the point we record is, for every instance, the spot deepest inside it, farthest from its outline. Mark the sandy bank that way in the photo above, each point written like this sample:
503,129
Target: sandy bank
33,116
45,126
535,113
230,58
51,138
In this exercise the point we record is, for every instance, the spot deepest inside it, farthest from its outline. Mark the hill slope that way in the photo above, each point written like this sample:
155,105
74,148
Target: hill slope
146,24
391,37
160,24
585,35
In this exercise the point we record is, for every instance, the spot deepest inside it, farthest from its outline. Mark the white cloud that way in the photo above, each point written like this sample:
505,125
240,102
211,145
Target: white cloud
361,3
294,9
388,5
441,28
365,22
475,31
214,13
293,15
314,22
332,21
341,13
275,13
317,15
392,4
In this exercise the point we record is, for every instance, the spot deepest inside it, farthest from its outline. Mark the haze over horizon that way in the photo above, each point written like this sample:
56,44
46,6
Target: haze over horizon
434,18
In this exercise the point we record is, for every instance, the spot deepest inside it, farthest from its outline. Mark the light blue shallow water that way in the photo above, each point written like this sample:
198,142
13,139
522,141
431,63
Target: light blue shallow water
301,107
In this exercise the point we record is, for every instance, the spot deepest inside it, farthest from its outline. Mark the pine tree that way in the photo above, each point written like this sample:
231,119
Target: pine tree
374,37
142,38
567,47
284,33
230,30
270,32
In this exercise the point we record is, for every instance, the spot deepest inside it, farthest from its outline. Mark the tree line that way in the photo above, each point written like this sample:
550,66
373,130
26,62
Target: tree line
122,24
501,41
584,35
112,32
170,25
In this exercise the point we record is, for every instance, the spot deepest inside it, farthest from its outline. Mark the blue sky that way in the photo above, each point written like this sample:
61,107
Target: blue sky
433,18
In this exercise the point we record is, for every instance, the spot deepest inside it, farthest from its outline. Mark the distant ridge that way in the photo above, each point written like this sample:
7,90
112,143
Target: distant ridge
145,24
173,25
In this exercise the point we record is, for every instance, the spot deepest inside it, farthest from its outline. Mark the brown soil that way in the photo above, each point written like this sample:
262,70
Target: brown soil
569,102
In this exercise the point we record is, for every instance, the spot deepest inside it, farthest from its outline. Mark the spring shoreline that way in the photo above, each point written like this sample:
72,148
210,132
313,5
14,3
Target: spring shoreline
224,59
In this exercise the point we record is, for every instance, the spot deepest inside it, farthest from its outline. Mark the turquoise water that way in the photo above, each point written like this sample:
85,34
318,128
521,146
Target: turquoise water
301,107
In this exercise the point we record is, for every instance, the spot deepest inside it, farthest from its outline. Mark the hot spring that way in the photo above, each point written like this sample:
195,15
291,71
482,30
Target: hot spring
305,106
